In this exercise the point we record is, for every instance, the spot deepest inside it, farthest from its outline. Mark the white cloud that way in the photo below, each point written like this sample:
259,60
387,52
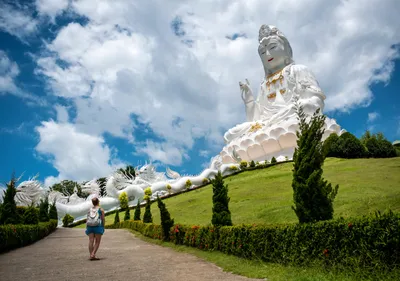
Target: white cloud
127,60
17,20
51,8
9,71
75,155
62,114
204,153
372,116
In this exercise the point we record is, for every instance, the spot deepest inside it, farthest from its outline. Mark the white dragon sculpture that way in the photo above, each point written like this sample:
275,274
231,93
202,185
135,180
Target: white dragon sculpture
118,182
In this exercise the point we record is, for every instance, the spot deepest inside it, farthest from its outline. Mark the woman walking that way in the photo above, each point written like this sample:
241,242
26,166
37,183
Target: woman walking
95,227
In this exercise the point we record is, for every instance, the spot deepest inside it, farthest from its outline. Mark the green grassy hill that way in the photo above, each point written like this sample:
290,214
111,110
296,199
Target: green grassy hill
266,196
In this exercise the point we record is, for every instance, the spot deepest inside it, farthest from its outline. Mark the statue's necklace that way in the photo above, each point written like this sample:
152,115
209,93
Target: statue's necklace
272,79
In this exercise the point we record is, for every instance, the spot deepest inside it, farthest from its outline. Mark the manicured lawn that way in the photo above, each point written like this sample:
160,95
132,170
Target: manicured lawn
266,196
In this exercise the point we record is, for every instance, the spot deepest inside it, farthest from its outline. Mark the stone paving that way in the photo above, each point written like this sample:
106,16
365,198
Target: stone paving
63,255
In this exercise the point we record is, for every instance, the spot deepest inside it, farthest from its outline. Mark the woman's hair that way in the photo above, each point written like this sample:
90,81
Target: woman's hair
95,201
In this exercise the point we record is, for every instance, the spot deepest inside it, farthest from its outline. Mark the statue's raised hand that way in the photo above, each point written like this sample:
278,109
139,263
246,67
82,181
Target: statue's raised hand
247,94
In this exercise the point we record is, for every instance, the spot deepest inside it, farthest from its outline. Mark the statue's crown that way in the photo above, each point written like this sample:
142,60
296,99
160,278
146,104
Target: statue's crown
268,30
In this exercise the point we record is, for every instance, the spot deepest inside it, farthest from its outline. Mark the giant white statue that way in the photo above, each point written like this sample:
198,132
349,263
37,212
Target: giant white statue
270,130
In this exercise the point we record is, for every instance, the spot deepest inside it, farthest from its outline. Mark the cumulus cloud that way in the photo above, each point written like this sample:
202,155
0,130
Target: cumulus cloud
51,8
75,155
181,79
17,20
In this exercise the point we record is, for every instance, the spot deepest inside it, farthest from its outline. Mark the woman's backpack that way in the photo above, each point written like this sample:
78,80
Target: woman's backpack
93,217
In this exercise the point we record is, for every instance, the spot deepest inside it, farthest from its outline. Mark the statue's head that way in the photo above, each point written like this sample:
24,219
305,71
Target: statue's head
274,49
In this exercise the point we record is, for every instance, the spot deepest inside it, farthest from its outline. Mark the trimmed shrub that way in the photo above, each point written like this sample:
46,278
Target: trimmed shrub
380,148
349,146
123,201
252,164
166,221
67,219
147,217
368,242
14,236
136,215
273,160
168,187
330,146
188,184
221,215
44,210
233,168
243,164
312,195
31,216
205,181
116,218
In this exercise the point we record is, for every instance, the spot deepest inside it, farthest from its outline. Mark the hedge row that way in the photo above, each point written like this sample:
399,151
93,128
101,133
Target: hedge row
14,236
368,242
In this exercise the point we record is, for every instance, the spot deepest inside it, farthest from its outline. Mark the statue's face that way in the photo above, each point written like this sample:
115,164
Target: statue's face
272,52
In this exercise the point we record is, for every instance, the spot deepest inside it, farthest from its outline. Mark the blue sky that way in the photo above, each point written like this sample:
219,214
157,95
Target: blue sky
87,86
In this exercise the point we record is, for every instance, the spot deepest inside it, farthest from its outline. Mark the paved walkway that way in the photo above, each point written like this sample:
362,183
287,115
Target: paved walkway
63,255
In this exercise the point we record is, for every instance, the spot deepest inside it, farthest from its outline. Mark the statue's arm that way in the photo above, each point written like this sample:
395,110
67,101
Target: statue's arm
309,92
252,110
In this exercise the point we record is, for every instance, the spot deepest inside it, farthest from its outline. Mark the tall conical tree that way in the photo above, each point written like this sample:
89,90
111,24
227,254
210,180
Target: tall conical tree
221,215
116,218
313,196
136,216
166,221
147,217
44,210
53,211
9,213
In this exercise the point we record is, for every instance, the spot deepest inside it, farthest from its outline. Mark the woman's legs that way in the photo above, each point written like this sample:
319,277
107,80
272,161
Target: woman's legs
97,244
91,241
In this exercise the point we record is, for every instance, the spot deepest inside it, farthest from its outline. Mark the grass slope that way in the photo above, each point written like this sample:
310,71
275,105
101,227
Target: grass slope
266,195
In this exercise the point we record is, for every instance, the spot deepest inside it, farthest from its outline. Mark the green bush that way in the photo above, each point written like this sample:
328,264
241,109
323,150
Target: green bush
380,148
252,164
188,184
166,221
136,215
330,146
67,219
116,218
243,165
273,160
44,210
21,211
368,242
205,181
349,146
14,236
123,201
31,215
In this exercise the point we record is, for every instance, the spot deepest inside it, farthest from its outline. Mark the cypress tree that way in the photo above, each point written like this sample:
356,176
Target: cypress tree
147,217
136,216
166,221
312,195
9,213
44,210
127,215
53,211
116,218
221,215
